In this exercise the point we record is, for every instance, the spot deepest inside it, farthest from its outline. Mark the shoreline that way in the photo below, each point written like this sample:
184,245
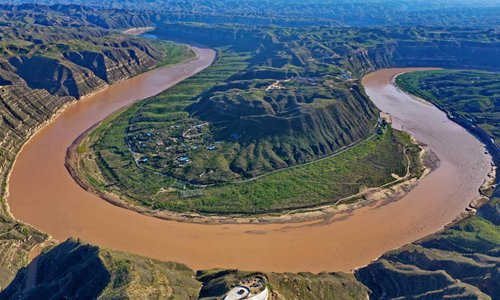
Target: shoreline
31,135
391,191
492,181
33,252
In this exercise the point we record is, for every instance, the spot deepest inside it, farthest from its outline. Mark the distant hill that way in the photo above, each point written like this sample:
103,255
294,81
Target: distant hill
310,12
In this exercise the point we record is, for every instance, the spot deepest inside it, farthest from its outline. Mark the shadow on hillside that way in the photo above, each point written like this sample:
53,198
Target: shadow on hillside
71,270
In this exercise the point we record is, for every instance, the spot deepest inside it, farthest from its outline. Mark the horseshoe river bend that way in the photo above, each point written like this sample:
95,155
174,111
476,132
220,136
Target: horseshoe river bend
43,194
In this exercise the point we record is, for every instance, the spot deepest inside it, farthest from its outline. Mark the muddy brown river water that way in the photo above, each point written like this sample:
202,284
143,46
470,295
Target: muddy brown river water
43,194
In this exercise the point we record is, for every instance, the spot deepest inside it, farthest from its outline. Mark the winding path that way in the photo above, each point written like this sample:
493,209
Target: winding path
43,194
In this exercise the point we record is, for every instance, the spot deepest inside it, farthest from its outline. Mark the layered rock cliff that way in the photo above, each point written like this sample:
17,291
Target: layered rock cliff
433,53
115,64
59,78
78,73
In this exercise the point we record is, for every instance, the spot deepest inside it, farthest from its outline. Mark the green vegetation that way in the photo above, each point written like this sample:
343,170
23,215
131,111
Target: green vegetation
472,95
110,141
241,131
367,165
174,53
266,125
469,236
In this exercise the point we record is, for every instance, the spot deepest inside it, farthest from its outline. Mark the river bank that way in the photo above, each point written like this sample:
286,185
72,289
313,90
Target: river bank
390,191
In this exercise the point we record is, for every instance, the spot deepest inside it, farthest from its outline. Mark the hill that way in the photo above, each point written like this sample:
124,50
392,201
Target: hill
298,13
77,270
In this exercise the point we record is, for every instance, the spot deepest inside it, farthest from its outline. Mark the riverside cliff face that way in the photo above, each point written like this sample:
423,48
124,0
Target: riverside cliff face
436,53
23,109
115,64
78,73
44,65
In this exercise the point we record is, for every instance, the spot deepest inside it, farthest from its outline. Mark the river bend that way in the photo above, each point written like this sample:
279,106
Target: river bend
43,194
